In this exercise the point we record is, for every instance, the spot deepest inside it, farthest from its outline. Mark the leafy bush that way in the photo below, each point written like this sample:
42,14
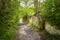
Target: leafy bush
50,11
8,19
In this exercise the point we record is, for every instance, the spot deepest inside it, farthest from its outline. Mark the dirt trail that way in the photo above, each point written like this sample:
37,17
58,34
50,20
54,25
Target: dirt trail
26,33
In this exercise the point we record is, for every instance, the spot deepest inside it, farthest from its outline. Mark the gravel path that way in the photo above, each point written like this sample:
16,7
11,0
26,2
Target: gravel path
26,33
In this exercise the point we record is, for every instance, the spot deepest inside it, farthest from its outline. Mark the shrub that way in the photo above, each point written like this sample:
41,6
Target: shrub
8,19
50,10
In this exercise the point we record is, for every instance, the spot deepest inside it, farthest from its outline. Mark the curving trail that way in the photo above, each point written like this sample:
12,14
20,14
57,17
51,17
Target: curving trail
26,33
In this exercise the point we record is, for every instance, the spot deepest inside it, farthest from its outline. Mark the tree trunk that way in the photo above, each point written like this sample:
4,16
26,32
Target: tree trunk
38,15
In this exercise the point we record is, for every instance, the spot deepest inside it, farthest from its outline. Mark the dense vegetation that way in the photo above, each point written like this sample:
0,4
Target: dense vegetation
8,19
33,12
50,10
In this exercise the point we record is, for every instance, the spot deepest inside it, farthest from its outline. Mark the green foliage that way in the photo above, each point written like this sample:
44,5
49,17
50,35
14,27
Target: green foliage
26,11
8,18
36,28
50,10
